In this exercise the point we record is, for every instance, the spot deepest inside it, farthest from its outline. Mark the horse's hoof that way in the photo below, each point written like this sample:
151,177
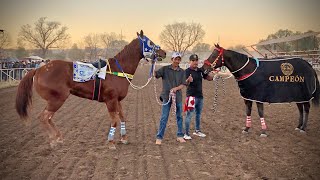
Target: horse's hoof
297,129
263,135
53,144
112,147
124,141
245,132
59,140
302,131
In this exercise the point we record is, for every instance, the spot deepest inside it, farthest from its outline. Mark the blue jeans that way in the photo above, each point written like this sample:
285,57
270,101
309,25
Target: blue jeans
164,120
198,110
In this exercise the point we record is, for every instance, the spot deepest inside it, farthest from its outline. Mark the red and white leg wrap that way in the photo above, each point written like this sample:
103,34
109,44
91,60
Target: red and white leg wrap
248,121
263,124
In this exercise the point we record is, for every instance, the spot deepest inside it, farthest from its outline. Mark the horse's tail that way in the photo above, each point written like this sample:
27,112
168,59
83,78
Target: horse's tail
24,94
316,94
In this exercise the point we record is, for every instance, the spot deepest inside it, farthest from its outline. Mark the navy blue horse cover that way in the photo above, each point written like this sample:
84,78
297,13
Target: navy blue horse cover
280,81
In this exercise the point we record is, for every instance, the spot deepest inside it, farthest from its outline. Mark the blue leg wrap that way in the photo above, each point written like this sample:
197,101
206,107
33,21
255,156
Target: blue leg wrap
111,133
123,128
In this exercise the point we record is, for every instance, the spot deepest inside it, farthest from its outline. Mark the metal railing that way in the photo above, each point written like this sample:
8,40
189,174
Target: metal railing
13,74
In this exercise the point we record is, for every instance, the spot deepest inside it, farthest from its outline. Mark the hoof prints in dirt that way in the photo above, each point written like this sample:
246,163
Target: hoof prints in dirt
225,153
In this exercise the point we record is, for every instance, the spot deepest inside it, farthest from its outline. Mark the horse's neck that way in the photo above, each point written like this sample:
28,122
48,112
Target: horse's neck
129,57
239,65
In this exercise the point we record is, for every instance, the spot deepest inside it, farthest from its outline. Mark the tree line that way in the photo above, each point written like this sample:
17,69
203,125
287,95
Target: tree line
46,37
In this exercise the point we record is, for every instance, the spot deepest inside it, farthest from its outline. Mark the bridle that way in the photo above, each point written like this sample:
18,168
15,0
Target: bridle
221,56
148,51
214,63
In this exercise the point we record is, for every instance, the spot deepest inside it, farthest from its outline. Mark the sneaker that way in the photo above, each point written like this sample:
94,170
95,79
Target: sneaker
158,141
199,133
181,140
186,137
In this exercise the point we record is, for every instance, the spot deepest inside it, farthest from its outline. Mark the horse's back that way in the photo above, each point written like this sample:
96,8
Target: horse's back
280,80
54,78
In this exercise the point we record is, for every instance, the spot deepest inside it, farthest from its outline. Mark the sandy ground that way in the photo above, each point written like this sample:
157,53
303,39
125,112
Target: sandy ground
225,153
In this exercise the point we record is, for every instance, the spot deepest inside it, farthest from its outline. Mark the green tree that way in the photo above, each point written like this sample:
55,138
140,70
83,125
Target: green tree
301,44
285,46
306,43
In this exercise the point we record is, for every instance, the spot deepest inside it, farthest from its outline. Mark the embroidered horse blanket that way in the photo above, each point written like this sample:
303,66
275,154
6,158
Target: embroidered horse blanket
83,72
280,81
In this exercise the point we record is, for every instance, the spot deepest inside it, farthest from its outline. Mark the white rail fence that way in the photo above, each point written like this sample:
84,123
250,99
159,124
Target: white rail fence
13,74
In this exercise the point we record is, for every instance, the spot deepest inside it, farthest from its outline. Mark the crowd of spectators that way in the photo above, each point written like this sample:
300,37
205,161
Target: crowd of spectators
16,70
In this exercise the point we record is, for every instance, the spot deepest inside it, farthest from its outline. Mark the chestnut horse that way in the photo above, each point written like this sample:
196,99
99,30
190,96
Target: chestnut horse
54,83
263,84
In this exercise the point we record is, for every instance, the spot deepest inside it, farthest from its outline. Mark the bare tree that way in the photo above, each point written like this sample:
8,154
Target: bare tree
5,41
107,38
44,35
92,46
181,36
239,48
21,52
75,53
201,47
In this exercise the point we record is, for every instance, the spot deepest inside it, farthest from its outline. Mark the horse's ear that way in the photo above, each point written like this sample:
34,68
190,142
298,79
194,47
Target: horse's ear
138,34
141,33
218,46
215,45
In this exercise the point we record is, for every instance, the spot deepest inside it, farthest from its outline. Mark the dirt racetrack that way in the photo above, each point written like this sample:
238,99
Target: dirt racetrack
224,154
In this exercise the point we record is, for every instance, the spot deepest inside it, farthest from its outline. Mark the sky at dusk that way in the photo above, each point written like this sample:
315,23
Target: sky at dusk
232,21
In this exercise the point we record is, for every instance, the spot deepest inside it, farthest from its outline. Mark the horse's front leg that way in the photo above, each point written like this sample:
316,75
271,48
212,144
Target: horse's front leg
248,112
300,108
114,114
306,108
123,132
263,123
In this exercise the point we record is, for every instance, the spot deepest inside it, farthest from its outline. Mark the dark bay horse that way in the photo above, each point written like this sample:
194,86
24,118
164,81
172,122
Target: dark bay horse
54,83
269,81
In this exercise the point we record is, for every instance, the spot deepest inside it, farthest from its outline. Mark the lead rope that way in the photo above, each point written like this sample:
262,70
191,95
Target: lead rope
223,90
172,96
215,98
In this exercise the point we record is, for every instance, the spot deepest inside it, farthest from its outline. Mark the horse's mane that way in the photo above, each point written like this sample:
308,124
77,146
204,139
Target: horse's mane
238,55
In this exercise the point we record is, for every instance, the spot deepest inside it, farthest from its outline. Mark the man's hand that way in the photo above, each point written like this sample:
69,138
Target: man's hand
190,79
174,89
212,73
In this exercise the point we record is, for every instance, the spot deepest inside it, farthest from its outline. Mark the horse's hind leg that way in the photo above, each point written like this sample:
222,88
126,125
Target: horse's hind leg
123,132
300,107
248,112
48,124
263,123
306,108
44,117
58,134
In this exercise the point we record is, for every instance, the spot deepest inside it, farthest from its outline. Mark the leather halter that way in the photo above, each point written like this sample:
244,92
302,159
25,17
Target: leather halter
214,63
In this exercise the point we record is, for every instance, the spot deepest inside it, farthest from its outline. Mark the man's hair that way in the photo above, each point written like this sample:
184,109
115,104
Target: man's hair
193,57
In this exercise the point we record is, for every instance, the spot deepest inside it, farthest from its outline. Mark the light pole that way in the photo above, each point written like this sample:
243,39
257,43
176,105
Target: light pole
2,32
